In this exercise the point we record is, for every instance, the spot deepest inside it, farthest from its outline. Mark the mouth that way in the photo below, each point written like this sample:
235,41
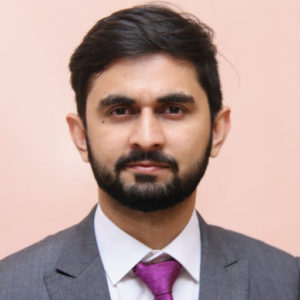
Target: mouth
147,166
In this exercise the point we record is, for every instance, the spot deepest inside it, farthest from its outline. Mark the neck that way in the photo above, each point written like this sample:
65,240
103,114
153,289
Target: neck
154,229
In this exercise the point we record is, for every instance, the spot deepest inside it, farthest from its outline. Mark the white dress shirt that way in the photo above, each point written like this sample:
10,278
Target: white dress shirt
120,252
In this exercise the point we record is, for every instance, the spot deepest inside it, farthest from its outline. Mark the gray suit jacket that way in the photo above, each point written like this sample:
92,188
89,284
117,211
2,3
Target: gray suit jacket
67,266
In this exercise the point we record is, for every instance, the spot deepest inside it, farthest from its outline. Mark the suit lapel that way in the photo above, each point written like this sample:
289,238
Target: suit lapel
79,272
223,276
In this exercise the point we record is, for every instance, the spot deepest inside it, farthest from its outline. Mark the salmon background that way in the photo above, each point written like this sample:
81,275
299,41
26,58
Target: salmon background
252,187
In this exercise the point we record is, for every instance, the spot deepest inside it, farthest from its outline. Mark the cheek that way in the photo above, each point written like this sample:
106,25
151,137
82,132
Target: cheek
107,146
188,145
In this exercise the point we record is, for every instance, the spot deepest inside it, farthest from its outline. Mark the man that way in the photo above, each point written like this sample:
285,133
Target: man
150,115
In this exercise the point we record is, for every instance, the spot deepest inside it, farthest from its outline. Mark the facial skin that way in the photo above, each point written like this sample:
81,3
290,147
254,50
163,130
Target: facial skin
152,103
146,194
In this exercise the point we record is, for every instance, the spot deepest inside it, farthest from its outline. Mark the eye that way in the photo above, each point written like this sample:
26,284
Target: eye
120,111
173,110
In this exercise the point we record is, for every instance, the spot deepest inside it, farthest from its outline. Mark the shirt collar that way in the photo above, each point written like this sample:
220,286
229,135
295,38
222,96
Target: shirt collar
120,252
186,248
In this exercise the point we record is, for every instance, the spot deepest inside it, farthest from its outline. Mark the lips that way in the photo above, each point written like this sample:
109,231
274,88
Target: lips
147,166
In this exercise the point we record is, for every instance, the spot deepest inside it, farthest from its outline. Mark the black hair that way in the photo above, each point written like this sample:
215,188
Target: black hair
141,30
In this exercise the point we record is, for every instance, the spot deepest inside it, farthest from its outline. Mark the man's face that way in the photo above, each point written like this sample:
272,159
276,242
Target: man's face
148,131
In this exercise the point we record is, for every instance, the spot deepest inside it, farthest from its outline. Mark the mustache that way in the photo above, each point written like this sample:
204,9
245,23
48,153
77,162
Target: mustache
139,155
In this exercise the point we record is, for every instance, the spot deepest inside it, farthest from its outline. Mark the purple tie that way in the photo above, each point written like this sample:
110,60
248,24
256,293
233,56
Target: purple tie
159,277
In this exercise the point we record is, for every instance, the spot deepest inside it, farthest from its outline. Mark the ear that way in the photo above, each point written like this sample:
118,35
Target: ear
78,134
221,129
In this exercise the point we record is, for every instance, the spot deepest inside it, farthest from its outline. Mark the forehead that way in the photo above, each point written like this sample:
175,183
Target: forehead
147,77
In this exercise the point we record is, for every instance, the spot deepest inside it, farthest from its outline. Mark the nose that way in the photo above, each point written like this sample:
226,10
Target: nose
147,133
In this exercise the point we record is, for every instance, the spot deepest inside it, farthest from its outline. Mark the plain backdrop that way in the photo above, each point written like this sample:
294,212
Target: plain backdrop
252,187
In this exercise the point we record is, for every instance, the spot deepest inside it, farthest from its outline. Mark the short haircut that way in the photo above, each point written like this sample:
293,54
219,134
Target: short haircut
141,30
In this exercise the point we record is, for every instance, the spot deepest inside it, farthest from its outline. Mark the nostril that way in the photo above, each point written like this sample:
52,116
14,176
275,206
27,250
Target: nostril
156,146
146,147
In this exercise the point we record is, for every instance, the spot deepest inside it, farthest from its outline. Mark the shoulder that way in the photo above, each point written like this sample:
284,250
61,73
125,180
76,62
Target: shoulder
41,253
23,271
265,261
245,246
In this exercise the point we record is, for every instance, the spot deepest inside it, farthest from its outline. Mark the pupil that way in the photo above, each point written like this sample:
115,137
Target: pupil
173,109
120,111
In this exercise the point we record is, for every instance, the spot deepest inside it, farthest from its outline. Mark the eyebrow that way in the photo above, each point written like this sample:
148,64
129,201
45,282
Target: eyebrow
114,100
176,98
124,100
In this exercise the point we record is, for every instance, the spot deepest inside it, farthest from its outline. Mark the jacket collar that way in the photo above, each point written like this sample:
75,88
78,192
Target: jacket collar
79,272
223,274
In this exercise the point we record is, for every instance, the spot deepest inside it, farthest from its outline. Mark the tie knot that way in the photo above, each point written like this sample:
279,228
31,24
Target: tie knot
159,277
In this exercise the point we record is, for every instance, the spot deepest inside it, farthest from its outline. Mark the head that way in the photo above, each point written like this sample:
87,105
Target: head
144,30
149,105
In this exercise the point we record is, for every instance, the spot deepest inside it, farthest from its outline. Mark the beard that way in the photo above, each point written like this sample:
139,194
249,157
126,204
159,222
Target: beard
147,195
